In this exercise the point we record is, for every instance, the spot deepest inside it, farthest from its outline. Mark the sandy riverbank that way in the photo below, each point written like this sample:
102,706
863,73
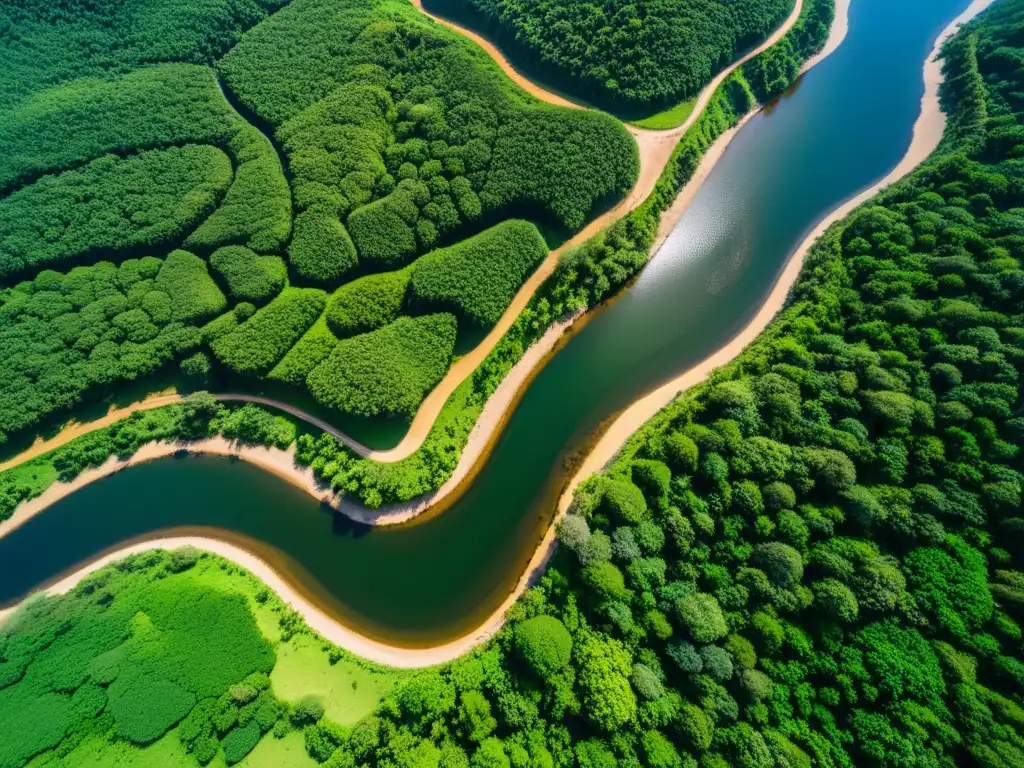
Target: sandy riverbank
319,621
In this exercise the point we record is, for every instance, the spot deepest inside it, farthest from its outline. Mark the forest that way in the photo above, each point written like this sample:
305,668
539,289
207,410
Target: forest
811,559
199,200
625,56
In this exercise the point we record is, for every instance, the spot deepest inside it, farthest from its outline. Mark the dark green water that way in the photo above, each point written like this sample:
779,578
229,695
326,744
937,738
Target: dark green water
844,126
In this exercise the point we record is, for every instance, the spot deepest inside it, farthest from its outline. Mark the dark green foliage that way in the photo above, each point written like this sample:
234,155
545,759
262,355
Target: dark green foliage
382,231
265,337
388,371
321,249
544,644
63,336
240,742
74,123
193,294
407,157
114,204
625,55
257,207
249,277
57,42
478,278
368,303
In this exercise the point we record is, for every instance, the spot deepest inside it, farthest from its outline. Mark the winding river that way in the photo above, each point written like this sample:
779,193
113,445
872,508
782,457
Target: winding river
842,127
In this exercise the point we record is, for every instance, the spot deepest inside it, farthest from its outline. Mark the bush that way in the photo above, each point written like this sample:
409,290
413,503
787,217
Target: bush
249,277
257,209
623,501
313,348
194,295
368,303
265,337
701,618
307,711
681,453
478,278
321,249
382,231
781,562
240,742
543,643
388,371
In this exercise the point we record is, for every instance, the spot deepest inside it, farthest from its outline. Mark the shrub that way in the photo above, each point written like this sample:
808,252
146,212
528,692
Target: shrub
681,453
478,278
368,303
308,710
623,501
781,562
194,295
605,580
265,337
382,231
249,277
321,249
313,348
701,618
240,742
543,643
388,371
257,209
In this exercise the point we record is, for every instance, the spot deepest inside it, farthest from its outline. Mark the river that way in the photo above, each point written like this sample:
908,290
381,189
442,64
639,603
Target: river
842,127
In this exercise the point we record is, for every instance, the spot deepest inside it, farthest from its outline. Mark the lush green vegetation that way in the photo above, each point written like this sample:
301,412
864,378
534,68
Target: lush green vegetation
813,558
635,57
585,277
101,38
112,204
125,144
388,371
249,277
477,278
172,659
367,303
263,339
409,132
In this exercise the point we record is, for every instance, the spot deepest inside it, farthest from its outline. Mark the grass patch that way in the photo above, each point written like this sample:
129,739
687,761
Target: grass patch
672,117
289,752
349,689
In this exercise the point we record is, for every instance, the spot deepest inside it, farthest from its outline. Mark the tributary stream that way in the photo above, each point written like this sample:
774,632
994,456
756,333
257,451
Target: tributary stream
842,127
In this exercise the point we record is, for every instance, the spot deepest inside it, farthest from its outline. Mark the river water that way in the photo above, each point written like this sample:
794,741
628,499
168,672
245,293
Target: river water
843,126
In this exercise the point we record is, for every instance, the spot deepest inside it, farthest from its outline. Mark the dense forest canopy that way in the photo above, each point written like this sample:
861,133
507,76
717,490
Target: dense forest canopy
624,54
814,559
120,145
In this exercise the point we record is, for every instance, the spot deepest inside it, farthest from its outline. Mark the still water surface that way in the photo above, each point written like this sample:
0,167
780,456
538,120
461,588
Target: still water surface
844,125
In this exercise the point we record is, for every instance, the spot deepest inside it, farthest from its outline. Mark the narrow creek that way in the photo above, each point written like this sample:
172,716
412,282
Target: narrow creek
843,126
